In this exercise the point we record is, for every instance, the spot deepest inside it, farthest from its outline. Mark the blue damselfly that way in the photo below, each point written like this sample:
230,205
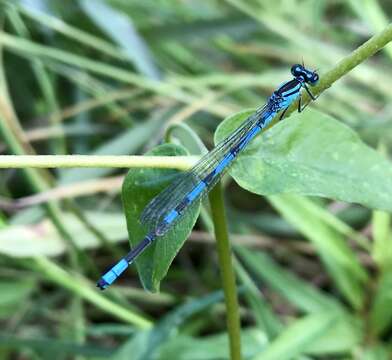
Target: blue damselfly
167,207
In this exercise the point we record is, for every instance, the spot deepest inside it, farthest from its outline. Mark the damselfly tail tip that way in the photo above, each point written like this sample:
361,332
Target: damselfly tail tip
111,276
102,284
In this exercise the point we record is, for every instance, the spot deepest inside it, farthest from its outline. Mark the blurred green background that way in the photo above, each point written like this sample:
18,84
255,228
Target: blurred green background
110,78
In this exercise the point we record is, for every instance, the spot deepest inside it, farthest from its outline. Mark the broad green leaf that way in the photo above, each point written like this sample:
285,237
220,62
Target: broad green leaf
298,336
139,188
312,154
304,296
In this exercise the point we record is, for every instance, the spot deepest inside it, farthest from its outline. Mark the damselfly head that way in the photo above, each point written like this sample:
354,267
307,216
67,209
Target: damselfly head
300,71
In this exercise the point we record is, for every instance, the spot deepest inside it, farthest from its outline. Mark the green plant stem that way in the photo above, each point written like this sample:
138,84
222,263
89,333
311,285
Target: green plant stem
369,48
72,161
359,55
227,271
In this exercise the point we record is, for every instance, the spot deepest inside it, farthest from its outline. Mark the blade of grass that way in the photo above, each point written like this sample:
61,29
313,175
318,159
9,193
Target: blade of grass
381,309
10,129
121,29
382,238
337,256
326,52
45,84
371,12
294,340
53,347
147,344
382,234
72,32
29,48
80,287
264,315
298,292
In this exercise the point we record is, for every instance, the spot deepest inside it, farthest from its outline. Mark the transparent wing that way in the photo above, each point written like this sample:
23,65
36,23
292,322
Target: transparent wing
172,196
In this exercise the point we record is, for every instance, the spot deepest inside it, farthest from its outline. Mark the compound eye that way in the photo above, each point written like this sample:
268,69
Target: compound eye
296,69
314,78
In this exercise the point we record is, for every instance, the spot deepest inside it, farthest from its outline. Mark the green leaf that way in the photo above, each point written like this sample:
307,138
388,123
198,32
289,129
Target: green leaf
312,154
139,187
298,336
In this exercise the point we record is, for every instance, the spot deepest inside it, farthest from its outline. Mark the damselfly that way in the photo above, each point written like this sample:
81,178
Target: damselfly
167,207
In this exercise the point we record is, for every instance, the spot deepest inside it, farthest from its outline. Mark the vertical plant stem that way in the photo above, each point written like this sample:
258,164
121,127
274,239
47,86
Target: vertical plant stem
227,271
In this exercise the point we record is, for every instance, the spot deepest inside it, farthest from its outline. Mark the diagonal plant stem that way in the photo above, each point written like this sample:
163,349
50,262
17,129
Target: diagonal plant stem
363,52
344,66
